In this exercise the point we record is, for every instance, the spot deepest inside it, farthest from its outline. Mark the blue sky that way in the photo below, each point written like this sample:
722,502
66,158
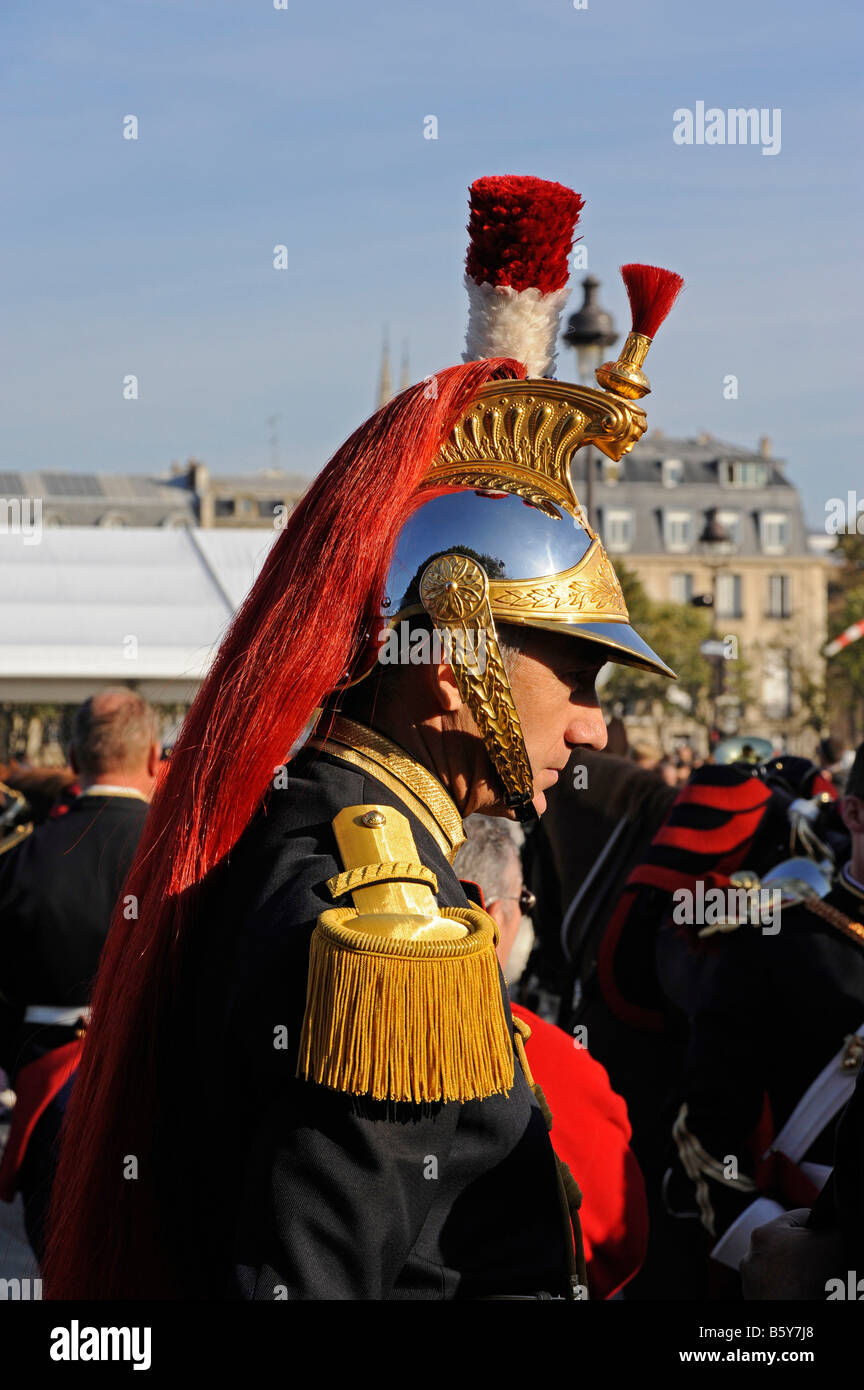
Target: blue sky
304,127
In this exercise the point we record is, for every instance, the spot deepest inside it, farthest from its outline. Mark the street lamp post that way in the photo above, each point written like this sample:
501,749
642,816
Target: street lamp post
591,331
715,545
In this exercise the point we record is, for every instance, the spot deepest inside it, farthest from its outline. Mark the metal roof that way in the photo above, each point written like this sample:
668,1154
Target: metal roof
128,604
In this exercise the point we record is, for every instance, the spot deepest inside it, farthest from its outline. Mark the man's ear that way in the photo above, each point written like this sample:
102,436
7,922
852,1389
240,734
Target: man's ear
444,687
852,811
154,757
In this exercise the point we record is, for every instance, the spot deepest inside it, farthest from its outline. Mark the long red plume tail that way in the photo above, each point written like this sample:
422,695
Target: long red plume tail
291,643
651,292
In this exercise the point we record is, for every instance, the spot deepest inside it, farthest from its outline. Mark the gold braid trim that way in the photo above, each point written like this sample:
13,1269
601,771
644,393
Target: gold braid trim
405,872
831,914
415,786
699,1166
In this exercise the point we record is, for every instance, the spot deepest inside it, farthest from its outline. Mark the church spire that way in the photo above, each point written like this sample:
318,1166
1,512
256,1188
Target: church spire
385,380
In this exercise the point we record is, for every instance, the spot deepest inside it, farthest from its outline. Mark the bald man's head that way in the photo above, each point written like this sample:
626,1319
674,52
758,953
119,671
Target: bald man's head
113,734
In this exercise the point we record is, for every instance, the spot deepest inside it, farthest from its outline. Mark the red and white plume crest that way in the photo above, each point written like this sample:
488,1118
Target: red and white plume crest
517,268
651,292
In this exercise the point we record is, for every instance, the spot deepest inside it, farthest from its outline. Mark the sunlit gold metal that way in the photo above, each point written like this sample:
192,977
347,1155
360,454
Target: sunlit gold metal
625,377
399,908
417,789
519,437
454,591
589,592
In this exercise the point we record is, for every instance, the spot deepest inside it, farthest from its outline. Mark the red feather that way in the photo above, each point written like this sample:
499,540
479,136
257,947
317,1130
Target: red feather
652,292
521,232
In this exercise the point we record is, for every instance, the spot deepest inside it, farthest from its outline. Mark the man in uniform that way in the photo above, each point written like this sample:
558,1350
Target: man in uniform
776,1041
58,888
305,961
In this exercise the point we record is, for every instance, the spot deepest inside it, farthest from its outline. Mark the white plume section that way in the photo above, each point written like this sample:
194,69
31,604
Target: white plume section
503,322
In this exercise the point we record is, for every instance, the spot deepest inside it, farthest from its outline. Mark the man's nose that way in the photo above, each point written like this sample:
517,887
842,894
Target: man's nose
588,728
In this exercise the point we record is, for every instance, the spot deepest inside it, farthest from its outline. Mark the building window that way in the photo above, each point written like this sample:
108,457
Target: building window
738,474
672,472
617,529
272,509
681,588
223,506
774,532
729,596
778,596
677,530
776,685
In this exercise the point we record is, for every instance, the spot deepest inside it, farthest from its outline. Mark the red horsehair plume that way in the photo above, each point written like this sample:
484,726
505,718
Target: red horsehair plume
651,292
517,269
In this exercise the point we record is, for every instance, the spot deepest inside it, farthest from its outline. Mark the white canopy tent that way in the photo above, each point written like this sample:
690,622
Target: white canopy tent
86,607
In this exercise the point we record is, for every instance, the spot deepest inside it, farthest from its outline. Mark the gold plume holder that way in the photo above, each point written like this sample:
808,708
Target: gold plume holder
519,437
625,377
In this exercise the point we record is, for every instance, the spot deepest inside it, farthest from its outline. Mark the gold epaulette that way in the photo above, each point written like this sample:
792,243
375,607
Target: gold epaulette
403,999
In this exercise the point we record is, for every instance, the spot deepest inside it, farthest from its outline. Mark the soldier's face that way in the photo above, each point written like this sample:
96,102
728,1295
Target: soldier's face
553,682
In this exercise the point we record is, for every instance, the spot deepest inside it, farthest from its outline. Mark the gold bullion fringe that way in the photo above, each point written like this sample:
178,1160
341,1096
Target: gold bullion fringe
405,1020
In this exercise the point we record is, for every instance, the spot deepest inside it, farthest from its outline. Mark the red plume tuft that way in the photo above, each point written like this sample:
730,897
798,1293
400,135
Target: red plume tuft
652,292
288,647
521,232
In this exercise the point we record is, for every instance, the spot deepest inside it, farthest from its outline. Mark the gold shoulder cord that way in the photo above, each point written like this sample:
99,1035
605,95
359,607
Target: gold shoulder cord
836,918
403,999
415,786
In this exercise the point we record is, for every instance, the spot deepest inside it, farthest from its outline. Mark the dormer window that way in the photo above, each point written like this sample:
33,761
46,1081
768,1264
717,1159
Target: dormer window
774,532
617,529
677,530
743,473
672,472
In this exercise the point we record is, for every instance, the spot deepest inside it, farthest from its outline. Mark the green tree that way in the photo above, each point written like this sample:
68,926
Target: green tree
844,676
676,632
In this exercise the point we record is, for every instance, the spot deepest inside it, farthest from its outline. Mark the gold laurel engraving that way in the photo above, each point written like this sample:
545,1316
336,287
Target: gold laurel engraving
589,590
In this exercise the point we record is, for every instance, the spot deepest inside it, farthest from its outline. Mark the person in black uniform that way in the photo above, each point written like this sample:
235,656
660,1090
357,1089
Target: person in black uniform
306,966
58,888
774,1010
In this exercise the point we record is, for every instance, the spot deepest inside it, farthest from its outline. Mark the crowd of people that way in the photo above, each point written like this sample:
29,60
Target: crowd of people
680,1138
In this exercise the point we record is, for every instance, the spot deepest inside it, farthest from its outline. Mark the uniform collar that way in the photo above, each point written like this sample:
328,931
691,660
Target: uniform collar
422,794
109,789
851,884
